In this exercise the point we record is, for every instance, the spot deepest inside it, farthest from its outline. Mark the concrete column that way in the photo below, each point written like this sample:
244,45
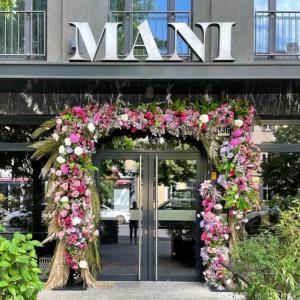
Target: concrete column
54,30
241,12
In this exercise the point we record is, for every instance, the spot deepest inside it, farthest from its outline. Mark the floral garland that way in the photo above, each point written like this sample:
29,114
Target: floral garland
73,206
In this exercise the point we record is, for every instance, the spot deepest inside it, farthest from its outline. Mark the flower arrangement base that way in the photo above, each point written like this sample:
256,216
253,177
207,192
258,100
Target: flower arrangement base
75,283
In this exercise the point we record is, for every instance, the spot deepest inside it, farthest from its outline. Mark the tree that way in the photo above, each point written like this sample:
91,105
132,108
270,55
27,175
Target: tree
7,5
281,172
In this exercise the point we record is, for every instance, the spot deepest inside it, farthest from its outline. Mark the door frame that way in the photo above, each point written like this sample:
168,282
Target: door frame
148,242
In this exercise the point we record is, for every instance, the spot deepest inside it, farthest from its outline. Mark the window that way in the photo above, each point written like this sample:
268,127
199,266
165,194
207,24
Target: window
23,33
158,13
277,28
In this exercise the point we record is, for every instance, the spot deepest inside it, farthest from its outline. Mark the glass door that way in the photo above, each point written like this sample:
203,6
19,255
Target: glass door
149,206
175,205
120,186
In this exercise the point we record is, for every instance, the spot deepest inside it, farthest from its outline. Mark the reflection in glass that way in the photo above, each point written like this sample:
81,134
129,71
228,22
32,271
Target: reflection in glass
119,216
176,216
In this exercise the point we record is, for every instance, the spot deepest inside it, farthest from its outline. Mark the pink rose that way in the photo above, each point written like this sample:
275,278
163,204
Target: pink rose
75,194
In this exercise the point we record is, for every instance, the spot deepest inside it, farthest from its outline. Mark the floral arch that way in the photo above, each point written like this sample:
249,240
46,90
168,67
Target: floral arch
73,203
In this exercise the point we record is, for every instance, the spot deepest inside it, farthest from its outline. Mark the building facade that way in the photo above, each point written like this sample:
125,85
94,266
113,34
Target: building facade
73,52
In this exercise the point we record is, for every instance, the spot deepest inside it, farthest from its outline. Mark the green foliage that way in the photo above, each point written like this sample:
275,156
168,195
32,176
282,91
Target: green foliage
7,5
19,272
281,172
271,261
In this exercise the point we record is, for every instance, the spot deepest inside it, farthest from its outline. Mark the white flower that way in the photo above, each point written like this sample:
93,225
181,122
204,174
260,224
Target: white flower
204,118
218,206
238,123
60,160
96,232
83,264
78,151
58,121
55,136
91,127
61,149
124,117
76,221
68,141
64,199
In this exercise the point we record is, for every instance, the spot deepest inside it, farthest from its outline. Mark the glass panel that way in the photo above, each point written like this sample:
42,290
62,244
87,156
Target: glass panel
150,5
147,143
276,134
22,199
119,190
177,196
261,5
117,5
288,5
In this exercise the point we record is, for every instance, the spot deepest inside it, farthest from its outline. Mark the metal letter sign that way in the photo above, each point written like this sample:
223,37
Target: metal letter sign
110,31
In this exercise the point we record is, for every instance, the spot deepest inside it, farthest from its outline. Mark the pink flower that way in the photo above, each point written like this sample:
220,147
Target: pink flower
65,186
60,235
235,142
74,137
75,194
63,213
237,132
65,169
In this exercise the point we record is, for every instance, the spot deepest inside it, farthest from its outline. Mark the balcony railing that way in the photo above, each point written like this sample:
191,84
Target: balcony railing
158,22
277,33
23,34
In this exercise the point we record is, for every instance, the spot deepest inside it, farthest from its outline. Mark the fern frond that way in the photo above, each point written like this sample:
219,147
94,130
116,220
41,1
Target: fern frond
44,127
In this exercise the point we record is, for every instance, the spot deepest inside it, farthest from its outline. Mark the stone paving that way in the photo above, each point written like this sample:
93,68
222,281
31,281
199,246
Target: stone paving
142,290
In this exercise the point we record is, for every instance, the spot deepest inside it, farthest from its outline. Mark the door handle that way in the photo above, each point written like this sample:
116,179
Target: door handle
140,218
156,217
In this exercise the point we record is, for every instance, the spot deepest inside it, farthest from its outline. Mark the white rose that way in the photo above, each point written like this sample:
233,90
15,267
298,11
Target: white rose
78,151
76,221
60,159
83,264
64,199
68,141
59,121
96,232
55,136
91,127
61,149
238,123
124,117
204,118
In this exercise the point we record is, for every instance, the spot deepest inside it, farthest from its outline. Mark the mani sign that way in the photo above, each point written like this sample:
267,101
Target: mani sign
110,31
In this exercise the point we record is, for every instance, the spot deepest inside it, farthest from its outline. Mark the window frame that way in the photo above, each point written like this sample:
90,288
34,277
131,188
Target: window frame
128,32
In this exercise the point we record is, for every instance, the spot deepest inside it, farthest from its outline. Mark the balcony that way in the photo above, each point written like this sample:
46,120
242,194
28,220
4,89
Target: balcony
158,22
23,34
277,34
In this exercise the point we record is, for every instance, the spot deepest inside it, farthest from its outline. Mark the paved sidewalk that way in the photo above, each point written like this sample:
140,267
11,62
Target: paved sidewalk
141,290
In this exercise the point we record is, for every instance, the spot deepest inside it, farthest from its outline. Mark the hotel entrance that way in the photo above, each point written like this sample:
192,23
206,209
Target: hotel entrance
150,214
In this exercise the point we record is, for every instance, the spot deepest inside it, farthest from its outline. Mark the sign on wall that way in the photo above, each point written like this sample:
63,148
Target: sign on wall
110,31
